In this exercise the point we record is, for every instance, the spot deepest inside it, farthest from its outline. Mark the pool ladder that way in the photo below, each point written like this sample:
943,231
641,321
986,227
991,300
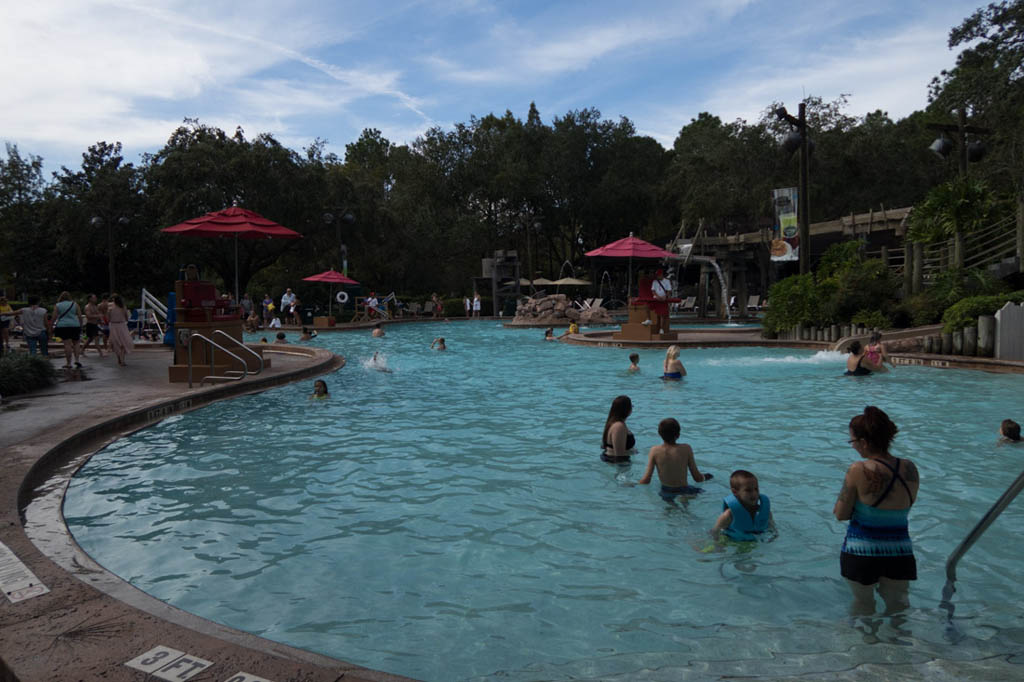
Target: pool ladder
231,374
947,592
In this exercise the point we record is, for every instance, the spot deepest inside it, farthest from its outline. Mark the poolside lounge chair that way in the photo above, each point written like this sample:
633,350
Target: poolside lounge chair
689,303
585,304
596,303
754,302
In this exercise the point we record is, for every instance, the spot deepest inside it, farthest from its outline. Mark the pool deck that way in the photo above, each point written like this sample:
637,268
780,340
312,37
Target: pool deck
90,624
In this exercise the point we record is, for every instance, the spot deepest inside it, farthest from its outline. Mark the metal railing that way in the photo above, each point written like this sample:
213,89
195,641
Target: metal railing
231,374
242,346
991,515
151,305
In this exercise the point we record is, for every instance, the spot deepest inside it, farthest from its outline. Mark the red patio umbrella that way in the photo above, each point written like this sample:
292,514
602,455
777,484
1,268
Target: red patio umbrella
233,222
333,277
630,247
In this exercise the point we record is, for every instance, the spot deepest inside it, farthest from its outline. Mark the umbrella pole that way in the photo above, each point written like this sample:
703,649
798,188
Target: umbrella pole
236,268
330,298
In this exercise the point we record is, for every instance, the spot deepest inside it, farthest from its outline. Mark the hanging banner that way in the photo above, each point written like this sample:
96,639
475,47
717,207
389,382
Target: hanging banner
786,239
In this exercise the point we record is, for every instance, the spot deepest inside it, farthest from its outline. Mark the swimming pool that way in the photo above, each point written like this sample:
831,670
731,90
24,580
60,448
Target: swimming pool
451,520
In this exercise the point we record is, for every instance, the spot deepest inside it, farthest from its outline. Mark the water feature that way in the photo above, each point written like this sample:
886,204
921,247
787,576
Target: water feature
561,270
600,288
450,520
725,290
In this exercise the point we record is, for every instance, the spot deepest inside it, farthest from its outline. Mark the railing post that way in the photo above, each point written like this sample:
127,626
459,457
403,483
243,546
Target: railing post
918,252
1020,231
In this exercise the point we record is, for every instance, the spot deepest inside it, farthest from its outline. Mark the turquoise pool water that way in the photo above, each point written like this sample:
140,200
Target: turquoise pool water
451,519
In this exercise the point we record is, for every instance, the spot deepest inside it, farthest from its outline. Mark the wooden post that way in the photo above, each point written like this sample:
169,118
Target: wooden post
908,267
986,335
702,290
885,256
970,341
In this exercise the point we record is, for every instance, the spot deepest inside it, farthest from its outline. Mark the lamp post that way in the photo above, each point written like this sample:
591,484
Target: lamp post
348,219
972,152
98,221
790,144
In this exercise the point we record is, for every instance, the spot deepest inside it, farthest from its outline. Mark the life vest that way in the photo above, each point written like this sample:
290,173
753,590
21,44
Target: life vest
743,527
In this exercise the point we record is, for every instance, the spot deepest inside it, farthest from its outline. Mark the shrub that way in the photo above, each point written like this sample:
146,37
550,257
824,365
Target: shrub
21,373
872,319
793,302
965,312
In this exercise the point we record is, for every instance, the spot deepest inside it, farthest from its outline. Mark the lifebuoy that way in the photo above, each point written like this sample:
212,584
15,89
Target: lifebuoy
341,297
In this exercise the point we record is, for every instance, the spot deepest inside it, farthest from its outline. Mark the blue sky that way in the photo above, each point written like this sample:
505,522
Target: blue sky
76,72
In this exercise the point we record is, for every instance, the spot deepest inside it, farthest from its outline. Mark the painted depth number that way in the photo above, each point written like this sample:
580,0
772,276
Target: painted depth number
172,665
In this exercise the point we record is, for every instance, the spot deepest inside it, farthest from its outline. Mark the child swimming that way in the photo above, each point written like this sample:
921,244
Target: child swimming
1009,432
320,390
634,360
746,512
673,367
672,462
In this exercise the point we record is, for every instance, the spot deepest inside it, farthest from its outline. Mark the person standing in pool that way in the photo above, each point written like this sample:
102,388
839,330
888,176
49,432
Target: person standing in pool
672,461
617,443
673,367
855,363
634,362
746,513
876,497
438,343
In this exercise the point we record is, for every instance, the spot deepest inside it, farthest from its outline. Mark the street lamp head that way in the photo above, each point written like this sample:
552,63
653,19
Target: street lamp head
122,221
348,218
941,147
96,221
792,141
976,151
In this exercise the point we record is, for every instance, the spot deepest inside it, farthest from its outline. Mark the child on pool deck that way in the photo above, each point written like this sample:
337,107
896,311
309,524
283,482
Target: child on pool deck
1009,432
634,362
672,461
746,512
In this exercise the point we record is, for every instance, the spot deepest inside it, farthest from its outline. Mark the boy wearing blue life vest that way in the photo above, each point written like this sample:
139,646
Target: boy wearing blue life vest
746,512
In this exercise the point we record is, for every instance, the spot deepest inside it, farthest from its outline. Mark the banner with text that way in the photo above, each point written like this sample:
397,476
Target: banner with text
786,239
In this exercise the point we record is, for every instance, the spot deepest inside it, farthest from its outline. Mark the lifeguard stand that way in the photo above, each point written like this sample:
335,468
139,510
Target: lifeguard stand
642,324
198,310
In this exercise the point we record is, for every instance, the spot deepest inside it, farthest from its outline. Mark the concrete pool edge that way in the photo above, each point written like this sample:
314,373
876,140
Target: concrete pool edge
91,622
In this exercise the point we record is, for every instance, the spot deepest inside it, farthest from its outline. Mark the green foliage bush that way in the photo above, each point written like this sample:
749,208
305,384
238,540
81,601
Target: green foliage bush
964,313
21,373
844,285
872,319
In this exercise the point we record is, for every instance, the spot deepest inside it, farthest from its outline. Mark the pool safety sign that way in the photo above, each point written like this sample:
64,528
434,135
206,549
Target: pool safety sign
17,582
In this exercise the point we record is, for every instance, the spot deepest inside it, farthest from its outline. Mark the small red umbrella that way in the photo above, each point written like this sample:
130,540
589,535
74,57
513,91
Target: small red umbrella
233,222
630,247
333,277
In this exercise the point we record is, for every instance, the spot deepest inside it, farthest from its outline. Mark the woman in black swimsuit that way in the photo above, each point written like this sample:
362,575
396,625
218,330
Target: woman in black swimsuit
617,442
854,363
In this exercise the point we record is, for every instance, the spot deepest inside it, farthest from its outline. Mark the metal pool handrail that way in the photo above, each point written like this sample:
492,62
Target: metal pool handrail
983,525
244,347
213,344
950,588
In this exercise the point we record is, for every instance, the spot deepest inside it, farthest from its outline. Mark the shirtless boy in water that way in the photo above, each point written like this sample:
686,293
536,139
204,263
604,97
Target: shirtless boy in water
672,461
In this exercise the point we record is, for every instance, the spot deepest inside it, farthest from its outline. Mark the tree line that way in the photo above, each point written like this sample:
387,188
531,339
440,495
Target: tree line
425,213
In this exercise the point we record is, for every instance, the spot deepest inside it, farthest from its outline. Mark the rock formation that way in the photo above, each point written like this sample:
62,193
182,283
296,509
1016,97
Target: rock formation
557,310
